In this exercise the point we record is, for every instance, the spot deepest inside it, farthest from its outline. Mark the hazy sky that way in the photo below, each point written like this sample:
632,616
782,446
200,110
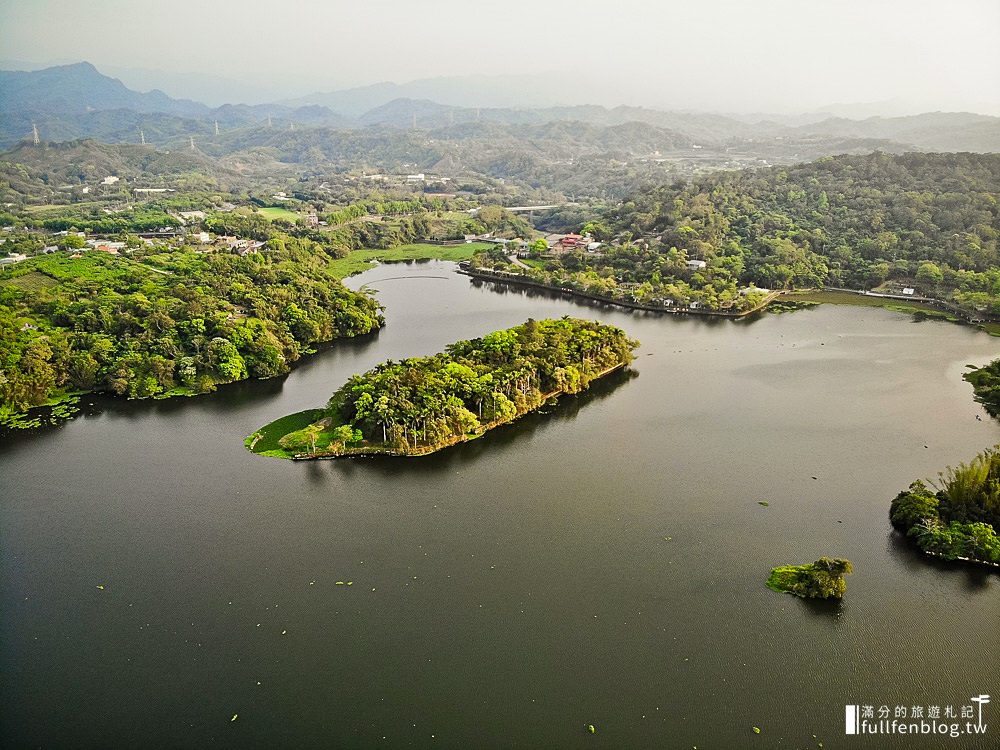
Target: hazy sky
787,55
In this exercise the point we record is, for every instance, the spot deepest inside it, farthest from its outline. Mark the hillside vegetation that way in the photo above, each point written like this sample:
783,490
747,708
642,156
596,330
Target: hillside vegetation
925,221
161,322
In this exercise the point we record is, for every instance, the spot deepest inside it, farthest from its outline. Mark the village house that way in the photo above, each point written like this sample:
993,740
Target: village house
106,246
696,265
571,241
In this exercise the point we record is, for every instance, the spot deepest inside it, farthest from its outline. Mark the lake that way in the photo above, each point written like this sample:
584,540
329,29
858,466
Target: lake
599,564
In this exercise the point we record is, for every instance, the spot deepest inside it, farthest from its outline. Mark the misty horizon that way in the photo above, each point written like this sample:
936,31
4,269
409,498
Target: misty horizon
725,57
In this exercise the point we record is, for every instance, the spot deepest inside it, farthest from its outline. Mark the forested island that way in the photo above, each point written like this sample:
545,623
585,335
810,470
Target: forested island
823,579
153,322
927,223
420,405
958,519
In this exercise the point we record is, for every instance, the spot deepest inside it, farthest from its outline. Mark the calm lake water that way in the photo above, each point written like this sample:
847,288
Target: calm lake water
603,563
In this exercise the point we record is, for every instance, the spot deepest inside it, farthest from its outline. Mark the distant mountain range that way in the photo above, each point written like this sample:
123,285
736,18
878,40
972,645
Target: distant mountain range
75,101
90,126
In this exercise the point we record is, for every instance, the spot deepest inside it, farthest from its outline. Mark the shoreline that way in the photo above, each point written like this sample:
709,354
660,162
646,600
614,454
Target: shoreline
14,420
517,279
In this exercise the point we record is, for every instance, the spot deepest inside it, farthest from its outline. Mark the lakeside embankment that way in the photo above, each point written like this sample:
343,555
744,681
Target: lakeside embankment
926,306
508,278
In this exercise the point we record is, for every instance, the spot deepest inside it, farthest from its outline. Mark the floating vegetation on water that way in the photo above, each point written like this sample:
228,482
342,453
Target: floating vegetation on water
786,306
64,411
58,411
20,421
823,579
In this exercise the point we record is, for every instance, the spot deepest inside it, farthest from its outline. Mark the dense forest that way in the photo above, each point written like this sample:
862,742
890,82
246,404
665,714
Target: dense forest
960,518
419,405
158,321
928,221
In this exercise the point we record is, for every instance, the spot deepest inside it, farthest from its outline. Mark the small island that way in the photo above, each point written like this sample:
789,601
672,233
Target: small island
421,405
985,382
958,521
823,579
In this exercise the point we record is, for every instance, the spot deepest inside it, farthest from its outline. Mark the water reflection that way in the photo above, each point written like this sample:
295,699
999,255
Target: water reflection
976,579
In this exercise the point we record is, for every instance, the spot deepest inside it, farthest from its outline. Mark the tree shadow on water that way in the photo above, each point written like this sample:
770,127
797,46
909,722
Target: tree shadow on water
496,441
824,607
976,578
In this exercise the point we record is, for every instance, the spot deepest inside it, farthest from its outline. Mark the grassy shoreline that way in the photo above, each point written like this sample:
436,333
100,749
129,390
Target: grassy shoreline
919,309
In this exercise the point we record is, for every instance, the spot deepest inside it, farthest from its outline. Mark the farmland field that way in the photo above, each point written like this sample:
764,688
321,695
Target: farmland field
32,281
278,213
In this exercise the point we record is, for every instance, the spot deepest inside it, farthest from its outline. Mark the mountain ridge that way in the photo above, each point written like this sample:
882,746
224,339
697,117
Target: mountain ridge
69,102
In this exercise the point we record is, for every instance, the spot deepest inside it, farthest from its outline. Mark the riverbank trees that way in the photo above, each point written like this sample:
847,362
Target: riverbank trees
958,518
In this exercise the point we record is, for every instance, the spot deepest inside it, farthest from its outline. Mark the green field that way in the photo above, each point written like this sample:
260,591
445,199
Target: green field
58,210
861,300
361,260
279,213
